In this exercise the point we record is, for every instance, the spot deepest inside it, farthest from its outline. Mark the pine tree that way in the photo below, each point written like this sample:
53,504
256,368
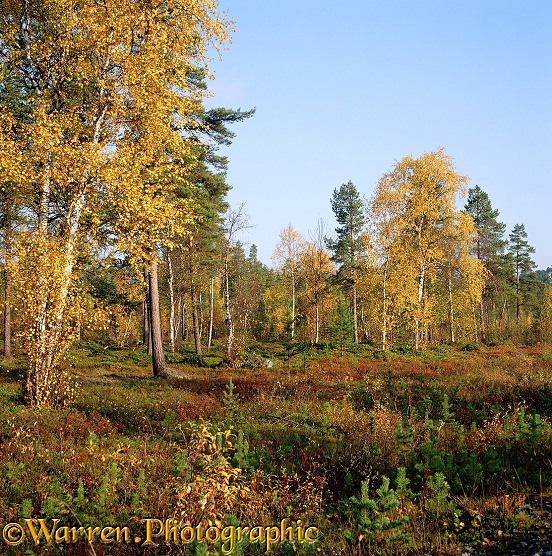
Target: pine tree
199,249
348,248
489,247
524,276
341,324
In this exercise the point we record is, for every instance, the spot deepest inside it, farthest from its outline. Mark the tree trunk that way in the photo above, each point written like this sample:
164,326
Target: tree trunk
157,356
317,324
475,334
419,307
384,311
195,319
178,316
451,307
146,317
211,311
184,320
7,284
44,207
200,314
228,315
7,316
517,292
482,320
46,382
292,304
172,324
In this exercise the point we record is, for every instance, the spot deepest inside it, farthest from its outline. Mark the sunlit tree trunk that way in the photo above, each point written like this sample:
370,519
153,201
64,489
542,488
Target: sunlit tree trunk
196,319
451,306
228,313
157,356
172,320
384,306
211,311
417,331
7,282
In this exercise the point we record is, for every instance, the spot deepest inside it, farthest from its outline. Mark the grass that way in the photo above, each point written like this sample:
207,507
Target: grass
391,453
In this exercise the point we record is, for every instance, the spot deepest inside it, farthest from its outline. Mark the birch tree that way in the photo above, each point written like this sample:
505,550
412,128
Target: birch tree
110,97
235,221
419,232
316,269
286,260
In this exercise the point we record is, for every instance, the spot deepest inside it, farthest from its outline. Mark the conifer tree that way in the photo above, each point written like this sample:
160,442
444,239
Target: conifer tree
488,247
341,324
199,248
348,248
524,276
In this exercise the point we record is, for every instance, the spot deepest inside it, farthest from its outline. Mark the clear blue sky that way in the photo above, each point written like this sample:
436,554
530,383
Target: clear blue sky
345,89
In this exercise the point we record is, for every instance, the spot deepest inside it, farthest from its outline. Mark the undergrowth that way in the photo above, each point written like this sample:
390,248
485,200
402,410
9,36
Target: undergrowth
400,454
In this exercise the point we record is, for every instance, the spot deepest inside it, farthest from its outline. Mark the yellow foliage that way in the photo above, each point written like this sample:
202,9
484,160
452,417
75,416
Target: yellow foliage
544,323
211,487
420,247
112,98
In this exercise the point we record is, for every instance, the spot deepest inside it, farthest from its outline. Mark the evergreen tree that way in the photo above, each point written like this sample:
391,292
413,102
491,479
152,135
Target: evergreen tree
524,275
348,248
198,257
341,324
489,247
489,244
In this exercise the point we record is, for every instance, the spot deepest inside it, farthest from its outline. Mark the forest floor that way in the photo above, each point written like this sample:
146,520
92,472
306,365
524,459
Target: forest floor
441,452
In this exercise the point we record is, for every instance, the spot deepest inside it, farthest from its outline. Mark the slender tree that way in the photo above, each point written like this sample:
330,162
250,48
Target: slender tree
235,221
286,260
200,246
348,247
489,248
524,276
316,269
